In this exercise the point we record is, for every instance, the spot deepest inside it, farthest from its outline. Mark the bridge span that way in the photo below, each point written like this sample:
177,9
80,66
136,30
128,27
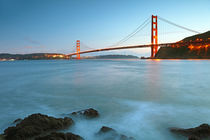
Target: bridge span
154,40
176,44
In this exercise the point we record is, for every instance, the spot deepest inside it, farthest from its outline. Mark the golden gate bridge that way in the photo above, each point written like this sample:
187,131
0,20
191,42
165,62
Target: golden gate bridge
154,45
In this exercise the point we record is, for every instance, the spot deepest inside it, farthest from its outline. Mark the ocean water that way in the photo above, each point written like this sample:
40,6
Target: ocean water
138,98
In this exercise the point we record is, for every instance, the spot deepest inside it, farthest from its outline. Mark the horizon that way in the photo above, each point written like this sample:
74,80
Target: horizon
54,26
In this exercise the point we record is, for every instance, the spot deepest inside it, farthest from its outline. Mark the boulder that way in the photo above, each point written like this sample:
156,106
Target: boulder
60,136
35,125
202,131
88,113
193,138
17,121
107,133
2,137
105,129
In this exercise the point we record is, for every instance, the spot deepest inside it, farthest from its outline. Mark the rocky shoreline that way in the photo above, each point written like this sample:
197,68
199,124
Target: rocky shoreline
197,133
43,127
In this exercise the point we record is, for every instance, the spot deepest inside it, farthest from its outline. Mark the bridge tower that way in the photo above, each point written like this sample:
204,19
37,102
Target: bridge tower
154,36
78,49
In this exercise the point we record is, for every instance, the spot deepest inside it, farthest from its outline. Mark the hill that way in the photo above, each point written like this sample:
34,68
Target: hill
186,52
33,56
116,56
204,36
47,56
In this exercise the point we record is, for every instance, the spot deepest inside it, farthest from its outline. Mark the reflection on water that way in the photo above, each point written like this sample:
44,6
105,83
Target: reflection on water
139,98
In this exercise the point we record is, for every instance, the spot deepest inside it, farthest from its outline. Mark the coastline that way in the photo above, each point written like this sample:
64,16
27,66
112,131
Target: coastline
43,127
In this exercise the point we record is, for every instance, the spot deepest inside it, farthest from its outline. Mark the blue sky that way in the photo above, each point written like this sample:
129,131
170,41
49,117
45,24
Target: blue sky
28,26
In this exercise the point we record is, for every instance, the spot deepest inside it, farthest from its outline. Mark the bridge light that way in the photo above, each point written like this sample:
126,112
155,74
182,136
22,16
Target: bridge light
191,47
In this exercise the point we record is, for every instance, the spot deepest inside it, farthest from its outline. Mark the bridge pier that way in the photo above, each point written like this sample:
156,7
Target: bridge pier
154,36
78,49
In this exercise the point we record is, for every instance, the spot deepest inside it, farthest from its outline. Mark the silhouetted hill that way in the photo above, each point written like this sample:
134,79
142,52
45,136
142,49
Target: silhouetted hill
34,56
43,56
116,56
187,52
203,36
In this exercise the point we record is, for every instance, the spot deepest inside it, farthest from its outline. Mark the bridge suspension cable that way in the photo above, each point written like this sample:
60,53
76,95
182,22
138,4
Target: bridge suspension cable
73,49
182,27
137,30
85,46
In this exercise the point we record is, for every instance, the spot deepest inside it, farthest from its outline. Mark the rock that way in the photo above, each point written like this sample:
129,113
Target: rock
60,136
17,121
89,113
105,129
2,137
193,138
202,131
108,133
35,125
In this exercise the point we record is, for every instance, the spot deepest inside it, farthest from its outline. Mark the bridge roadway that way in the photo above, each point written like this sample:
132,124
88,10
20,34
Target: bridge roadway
207,42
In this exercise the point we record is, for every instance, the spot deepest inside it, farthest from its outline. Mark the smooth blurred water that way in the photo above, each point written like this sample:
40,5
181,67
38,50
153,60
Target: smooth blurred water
138,98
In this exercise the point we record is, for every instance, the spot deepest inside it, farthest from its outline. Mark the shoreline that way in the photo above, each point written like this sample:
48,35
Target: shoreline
43,127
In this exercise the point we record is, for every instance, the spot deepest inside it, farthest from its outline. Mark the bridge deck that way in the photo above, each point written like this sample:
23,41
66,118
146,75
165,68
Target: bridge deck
144,46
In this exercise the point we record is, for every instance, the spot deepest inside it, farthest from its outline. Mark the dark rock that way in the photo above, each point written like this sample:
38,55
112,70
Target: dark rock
193,138
60,136
105,129
202,131
89,113
108,133
35,125
17,121
2,137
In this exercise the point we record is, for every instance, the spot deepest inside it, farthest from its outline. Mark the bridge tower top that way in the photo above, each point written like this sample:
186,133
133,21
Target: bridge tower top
154,36
78,49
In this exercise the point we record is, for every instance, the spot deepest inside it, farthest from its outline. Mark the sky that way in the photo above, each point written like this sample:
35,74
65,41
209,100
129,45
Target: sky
33,26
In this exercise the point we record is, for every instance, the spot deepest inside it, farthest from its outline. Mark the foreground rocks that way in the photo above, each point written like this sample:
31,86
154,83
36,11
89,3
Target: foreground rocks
43,127
88,113
197,133
36,125
193,138
17,121
110,134
2,137
60,136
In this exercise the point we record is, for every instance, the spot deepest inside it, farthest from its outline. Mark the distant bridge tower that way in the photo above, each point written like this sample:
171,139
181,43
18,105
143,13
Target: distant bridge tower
154,35
78,49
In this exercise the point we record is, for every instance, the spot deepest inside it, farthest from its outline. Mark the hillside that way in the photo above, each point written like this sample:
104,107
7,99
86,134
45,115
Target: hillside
46,56
33,56
112,57
204,36
187,52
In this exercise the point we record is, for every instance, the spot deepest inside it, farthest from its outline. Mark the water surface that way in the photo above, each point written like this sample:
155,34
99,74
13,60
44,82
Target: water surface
138,98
